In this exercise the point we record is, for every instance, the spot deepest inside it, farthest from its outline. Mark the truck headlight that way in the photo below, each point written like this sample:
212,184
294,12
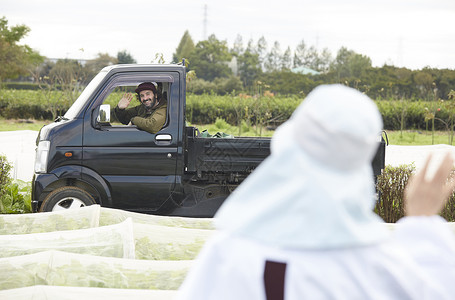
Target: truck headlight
42,153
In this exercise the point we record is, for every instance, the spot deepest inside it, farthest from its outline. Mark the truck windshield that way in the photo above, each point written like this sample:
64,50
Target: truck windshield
75,109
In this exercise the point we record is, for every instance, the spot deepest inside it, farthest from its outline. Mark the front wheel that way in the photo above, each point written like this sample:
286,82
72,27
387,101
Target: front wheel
66,197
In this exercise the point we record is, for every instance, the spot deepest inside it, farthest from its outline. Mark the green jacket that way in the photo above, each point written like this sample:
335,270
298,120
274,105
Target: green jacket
151,122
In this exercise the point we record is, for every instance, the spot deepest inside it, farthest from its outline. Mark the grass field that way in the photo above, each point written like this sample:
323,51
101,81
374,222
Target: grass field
415,138
408,137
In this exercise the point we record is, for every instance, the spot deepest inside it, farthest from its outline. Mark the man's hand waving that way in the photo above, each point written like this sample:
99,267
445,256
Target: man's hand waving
426,197
125,101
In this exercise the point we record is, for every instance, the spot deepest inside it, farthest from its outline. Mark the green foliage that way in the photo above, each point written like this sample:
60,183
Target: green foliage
14,196
288,83
391,184
15,58
123,57
417,138
204,106
220,86
28,104
260,110
273,59
5,180
349,64
185,48
20,86
249,67
92,67
209,59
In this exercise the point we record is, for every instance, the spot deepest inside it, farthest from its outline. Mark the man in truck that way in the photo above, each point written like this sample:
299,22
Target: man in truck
150,115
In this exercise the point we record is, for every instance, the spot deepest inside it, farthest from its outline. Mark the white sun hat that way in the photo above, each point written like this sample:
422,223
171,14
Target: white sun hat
316,189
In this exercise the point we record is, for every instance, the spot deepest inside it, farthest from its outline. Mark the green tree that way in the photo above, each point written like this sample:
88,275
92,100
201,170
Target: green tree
273,58
286,61
95,65
425,83
261,50
123,57
349,64
210,59
237,48
185,47
310,57
299,55
325,60
15,59
68,75
249,67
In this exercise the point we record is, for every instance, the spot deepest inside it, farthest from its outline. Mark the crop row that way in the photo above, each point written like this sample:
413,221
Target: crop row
264,111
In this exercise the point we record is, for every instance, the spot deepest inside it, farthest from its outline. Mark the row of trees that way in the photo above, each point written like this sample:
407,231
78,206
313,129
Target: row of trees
23,62
242,68
252,68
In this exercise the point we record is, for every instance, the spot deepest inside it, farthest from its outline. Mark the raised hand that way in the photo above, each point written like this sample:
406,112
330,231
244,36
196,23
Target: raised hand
125,101
426,197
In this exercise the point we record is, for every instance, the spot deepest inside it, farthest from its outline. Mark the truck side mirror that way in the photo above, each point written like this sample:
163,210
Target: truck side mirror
104,115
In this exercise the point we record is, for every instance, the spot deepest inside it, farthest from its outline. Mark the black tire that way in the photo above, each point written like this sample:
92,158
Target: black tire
66,197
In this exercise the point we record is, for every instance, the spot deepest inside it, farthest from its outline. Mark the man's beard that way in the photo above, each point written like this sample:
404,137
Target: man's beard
152,104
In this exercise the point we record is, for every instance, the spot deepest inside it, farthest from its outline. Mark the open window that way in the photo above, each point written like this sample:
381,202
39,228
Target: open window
107,117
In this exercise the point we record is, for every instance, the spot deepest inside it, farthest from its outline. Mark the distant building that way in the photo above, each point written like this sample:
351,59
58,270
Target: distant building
305,71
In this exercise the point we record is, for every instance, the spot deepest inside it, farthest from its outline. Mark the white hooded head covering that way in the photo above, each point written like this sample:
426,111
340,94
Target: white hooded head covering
316,189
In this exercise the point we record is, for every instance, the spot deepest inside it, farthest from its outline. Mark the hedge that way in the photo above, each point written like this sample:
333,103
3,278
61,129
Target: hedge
390,186
265,110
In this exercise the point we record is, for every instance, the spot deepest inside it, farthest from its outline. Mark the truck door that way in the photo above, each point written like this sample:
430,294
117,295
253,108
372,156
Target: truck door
139,167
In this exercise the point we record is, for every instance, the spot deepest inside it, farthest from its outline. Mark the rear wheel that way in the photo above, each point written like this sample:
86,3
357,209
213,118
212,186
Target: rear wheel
66,197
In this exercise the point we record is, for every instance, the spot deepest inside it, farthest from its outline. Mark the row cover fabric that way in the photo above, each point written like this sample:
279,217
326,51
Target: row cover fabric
111,241
86,217
109,216
156,242
44,292
89,217
82,270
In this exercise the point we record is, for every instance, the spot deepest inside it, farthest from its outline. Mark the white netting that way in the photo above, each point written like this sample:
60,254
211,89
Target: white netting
131,255
86,217
40,292
115,250
112,241
81,270
109,216
156,242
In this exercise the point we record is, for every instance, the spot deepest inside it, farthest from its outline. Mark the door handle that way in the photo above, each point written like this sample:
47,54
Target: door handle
163,138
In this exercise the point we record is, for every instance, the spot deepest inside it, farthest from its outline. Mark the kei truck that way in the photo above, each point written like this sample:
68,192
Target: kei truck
85,157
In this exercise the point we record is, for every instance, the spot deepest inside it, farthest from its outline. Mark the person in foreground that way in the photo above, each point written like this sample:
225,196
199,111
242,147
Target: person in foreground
302,225
150,115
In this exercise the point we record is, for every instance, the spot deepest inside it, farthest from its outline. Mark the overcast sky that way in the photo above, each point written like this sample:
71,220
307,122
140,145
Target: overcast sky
408,33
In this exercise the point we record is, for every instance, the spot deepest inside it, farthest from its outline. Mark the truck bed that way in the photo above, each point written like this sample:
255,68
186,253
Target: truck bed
225,156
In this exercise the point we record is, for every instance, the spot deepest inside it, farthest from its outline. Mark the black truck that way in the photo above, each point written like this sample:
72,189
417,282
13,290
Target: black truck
85,157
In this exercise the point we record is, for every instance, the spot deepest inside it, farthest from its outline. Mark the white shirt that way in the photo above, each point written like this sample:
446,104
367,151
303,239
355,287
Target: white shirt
417,263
